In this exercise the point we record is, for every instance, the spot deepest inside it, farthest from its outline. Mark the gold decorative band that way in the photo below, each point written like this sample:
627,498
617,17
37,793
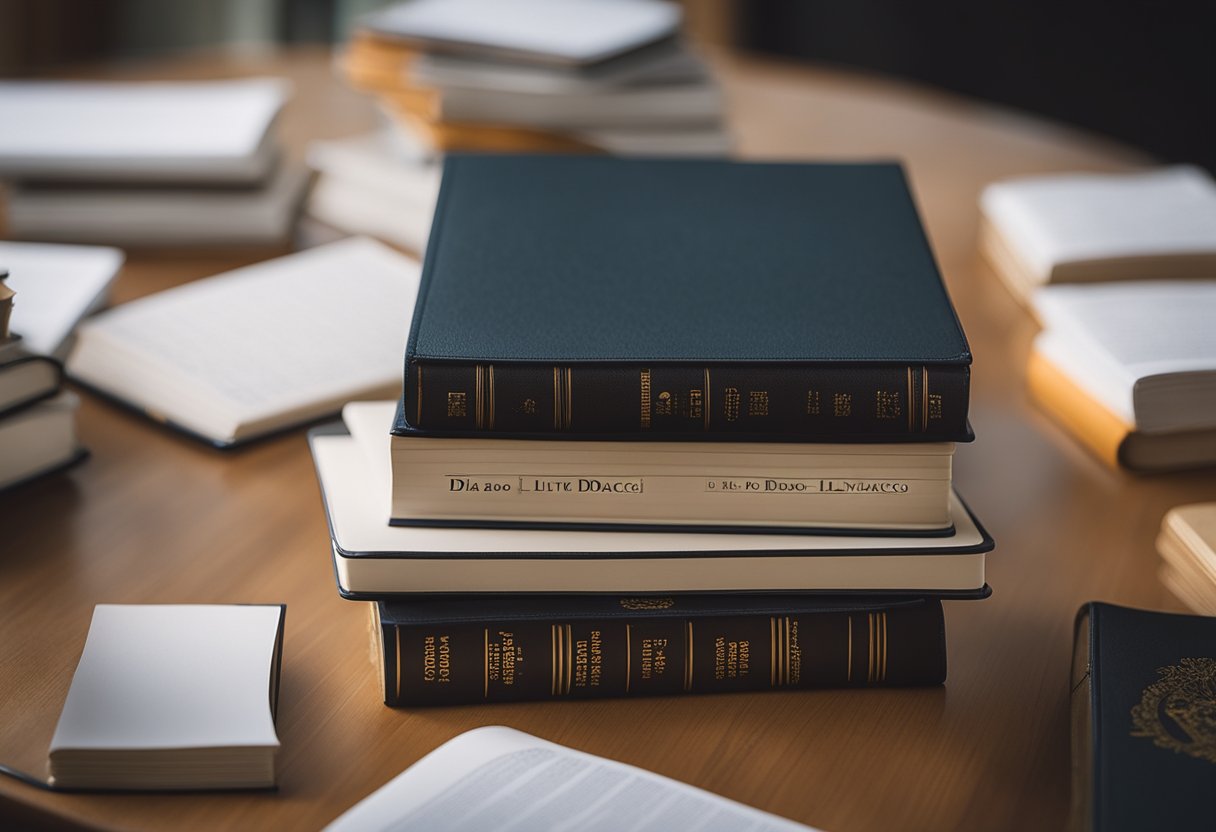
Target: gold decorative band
645,380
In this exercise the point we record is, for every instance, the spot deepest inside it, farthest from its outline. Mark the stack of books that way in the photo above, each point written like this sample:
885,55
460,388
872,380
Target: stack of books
45,290
566,76
147,164
1119,271
664,421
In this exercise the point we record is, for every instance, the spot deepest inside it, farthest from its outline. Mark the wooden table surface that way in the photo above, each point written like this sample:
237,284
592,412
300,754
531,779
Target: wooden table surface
155,518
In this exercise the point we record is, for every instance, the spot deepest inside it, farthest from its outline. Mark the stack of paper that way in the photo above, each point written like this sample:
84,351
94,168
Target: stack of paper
532,76
182,163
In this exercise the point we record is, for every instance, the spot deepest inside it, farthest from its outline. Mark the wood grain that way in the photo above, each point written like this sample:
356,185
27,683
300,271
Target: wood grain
153,517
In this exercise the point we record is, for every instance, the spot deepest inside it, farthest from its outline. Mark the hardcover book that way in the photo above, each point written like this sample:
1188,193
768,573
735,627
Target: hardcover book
1144,720
373,559
465,651
612,297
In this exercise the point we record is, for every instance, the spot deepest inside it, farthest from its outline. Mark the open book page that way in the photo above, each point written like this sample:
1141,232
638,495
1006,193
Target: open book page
56,286
268,343
496,778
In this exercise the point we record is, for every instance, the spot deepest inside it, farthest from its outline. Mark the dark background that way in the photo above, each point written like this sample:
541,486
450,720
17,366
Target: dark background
1140,72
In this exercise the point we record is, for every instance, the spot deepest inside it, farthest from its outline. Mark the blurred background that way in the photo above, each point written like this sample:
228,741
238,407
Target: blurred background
1141,73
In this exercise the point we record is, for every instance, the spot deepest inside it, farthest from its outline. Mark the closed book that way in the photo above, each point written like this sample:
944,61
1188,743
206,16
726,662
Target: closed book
1144,730
660,297
26,379
373,559
462,651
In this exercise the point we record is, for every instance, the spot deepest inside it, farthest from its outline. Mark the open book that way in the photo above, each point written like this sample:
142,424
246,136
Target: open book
258,349
502,779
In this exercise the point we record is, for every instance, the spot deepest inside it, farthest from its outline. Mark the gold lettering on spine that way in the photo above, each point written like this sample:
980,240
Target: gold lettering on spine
485,693
707,405
491,397
772,640
569,658
910,400
645,384
689,655
787,651
628,659
924,399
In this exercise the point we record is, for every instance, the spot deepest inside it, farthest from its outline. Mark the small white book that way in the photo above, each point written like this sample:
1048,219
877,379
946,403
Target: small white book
502,779
1145,350
178,696
217,132
571,32
56,286
261,348
1068,228
39,439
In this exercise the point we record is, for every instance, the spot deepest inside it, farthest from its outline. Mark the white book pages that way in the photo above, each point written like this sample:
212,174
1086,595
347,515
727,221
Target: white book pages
1050,221
502,779
563,31
1146,350
262,347
140,684
183,216
56,286
159,131
668,63
38,439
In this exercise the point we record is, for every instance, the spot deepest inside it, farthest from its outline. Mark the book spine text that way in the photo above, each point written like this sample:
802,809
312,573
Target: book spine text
879,401
471,662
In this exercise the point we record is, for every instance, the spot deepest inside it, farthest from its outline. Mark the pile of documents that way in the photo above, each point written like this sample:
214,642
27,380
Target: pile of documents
541,76
147,164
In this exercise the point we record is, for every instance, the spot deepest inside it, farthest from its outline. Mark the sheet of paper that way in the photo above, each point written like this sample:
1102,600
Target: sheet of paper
501,779
56,286
172,676
1078,217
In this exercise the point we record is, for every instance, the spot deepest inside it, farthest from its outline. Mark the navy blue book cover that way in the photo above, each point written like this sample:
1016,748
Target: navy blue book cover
1144,720
600,296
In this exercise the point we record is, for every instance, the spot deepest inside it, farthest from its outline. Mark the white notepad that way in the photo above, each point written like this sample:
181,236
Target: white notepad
56,286
172,697
561,31
180,131
260,348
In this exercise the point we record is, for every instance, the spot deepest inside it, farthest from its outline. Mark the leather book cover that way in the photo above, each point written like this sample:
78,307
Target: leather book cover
593,295
1144,720
461,651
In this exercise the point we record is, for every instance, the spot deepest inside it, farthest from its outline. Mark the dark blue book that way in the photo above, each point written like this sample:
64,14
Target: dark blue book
1144,720
629,298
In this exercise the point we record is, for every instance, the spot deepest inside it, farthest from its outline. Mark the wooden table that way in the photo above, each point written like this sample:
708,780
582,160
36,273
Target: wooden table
155,518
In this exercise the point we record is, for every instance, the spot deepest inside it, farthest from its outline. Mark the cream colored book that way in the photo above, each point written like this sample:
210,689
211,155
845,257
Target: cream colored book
1084,227
39,439
373,558
502,779
261,348
1145,350
179,696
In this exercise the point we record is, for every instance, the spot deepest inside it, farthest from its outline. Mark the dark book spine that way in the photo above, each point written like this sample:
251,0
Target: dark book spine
494,661
806,402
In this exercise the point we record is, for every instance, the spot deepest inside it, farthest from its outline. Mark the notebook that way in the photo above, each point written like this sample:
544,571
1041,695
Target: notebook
163,132
499,778
141,715
56,286
261,348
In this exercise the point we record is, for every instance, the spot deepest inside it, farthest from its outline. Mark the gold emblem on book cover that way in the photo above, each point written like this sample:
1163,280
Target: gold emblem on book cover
647,603
1178,711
